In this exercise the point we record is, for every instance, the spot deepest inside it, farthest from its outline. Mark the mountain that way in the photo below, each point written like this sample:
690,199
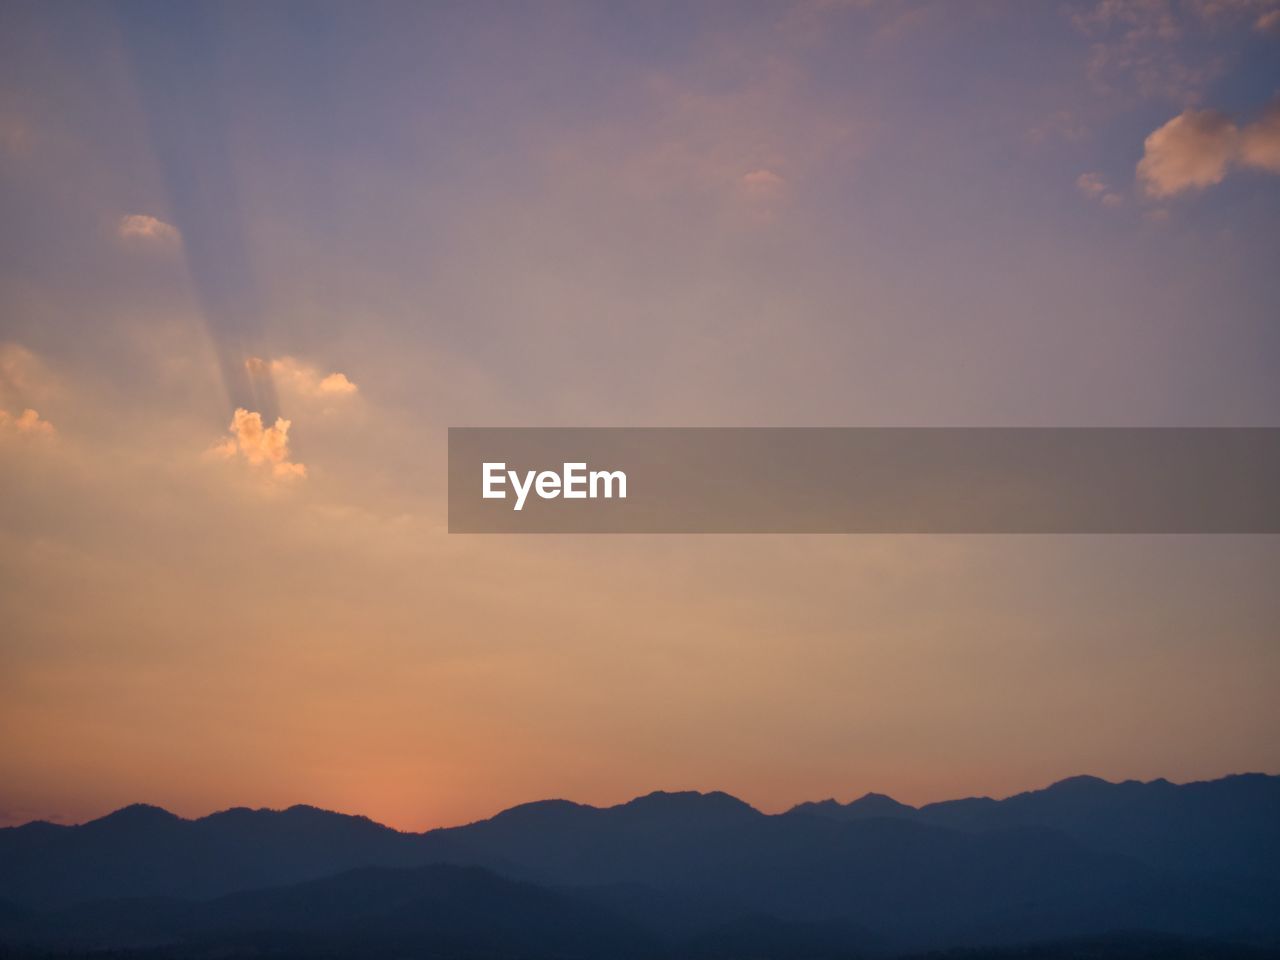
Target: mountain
868,805
693,871
447,910
143,851
1227,829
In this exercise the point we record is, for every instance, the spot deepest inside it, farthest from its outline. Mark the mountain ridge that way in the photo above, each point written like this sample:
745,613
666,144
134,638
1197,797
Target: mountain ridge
1054,786
1080,858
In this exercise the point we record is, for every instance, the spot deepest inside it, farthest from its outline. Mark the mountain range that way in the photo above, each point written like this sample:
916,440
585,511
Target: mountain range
667,874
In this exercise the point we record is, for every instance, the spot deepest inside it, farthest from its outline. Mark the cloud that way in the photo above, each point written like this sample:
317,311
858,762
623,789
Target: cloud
25,383
1164,48
1191,151
336,384
1091,185
28,422
762,180
1260,142
302,379
140,226
1198,148
1094,186
1134,19
19,367
260,446
718,133
1060,125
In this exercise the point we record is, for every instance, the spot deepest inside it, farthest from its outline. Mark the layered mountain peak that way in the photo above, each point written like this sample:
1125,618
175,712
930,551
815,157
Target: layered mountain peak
1081,783
867,805
136,815
690,800
878,804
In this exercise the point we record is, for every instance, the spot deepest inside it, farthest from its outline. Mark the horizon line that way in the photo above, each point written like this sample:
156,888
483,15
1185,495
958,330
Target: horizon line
1082,777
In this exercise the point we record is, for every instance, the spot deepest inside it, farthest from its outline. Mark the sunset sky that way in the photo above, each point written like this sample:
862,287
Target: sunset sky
375,221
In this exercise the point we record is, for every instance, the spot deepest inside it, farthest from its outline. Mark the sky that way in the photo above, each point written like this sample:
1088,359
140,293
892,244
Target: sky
255,259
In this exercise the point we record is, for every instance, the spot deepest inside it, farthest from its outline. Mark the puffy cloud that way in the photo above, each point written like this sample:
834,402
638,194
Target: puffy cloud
1191,151
336,384
259,445
1268,22
302,379
1198,148
1260,142
140,226
28,422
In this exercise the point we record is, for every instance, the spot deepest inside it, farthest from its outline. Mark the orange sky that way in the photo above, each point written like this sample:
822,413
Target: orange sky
378,224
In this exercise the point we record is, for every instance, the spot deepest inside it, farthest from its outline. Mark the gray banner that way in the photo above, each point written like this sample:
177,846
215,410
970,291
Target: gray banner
864,480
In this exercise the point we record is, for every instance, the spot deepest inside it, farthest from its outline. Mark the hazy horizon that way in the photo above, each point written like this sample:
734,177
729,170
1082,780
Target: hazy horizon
771,811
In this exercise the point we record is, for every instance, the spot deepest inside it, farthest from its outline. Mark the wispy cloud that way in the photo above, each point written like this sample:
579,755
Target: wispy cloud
302,379
1154,48
762,179
143,227
1094,186
25,383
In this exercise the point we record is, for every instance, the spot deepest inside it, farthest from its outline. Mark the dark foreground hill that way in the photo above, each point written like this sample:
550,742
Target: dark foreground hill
666,875
445,911
467,913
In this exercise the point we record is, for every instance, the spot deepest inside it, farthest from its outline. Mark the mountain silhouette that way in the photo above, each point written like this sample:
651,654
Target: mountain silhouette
691,873
1229,826
868,805
372,911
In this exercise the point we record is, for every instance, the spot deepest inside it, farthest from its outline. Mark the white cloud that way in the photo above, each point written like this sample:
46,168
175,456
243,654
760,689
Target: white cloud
140,226
1198,148
260,446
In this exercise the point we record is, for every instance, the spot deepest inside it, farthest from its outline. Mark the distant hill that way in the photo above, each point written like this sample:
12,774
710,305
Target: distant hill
375,911
1228,827
688,872
868,805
